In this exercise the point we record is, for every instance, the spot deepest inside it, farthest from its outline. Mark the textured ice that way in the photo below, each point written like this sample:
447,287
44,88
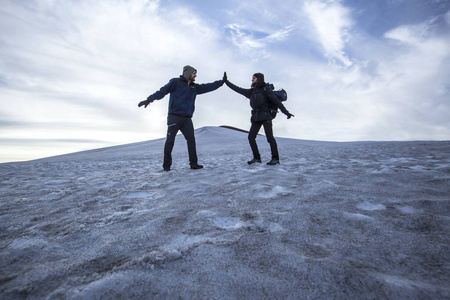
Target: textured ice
332,221
371,206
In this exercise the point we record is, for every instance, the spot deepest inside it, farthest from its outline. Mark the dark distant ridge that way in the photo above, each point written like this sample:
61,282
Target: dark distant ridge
234,128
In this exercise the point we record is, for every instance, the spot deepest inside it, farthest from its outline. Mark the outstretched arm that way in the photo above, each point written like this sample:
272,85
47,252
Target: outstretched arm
158,95
274,99
208,87
244,92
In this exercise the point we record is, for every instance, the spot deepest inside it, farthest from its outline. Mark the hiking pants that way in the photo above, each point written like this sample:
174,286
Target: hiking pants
185,125
254,129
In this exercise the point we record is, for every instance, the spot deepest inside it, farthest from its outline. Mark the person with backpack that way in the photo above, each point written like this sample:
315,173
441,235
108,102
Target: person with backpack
261,97
183,92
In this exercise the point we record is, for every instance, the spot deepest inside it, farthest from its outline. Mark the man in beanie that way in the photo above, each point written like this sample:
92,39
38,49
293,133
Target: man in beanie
183,91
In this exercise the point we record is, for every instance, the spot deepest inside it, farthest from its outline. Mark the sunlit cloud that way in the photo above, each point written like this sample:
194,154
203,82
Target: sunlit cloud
243,39
331,22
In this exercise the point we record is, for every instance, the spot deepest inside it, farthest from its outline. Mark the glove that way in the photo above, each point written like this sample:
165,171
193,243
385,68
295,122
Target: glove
145,102
289,115
225,78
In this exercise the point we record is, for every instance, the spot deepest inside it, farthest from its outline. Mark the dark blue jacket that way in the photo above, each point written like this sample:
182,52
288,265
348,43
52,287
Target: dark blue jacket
182,96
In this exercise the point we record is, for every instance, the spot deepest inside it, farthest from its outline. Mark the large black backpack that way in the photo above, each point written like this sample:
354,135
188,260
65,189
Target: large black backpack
281,95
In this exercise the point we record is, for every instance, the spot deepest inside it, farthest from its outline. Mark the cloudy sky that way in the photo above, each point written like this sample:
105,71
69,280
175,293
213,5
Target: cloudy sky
72,72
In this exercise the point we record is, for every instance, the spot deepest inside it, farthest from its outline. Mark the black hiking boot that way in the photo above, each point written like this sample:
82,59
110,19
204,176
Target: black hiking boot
196,166
255,160
273,162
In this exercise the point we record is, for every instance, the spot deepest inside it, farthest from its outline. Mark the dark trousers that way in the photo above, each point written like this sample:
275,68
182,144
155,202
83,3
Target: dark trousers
185,125
254,129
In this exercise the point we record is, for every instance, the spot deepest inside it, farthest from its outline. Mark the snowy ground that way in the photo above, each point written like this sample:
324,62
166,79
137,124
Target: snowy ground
333,221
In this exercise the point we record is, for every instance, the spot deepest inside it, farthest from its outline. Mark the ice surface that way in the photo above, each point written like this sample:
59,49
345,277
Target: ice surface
332,221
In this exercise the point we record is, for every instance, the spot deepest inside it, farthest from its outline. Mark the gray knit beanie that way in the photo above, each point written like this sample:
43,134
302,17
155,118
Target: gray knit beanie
187,71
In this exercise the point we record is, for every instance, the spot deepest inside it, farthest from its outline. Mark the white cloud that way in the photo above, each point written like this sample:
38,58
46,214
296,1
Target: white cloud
91,63
280,35
244,41
416,81
254,44
394,89
331,22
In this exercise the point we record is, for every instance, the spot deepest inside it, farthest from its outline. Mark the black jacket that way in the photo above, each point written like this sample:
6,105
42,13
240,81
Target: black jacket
259,101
